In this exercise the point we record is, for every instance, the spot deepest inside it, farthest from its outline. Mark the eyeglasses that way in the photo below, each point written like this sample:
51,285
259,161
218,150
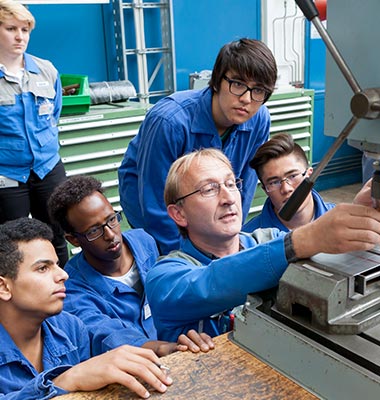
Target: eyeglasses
238,88
292,180
213,188
97,231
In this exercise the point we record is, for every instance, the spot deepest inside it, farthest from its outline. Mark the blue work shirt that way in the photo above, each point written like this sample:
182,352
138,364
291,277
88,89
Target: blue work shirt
29,115
113,312
66,343
176,125
184,293
269,219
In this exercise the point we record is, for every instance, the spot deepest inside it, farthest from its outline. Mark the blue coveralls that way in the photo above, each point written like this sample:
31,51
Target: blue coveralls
176,125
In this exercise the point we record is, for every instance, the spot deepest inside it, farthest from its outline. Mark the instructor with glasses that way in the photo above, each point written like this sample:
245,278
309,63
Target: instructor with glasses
228,115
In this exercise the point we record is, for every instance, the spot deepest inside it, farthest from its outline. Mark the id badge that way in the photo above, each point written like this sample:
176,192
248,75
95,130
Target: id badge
46,108
7,182
147,312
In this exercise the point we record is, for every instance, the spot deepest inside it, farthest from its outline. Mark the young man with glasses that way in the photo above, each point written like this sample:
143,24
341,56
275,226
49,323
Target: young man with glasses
229,115
281,165
218,265
45,352
107,278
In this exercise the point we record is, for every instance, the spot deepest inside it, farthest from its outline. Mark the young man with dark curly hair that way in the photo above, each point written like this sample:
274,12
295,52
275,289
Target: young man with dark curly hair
106,288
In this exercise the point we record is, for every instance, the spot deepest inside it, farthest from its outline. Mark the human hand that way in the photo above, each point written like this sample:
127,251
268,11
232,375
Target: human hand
363,197
192,341
345,228
195,342
123,365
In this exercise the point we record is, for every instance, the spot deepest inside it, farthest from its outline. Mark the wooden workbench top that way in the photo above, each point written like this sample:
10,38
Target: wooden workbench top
228,372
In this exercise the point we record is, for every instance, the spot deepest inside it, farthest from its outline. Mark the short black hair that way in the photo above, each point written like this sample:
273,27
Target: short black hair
279,145
249,58
69,193
11,234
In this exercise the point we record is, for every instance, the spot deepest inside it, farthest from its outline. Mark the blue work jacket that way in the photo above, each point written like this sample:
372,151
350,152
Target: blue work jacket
176,125
29,115
184,293
113,312
269,219
66,343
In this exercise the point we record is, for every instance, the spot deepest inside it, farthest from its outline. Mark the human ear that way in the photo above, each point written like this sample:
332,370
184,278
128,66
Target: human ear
5,292
177,214
72,239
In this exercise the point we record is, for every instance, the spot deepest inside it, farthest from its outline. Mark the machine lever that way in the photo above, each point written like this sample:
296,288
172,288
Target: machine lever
298,197
300,194
311,13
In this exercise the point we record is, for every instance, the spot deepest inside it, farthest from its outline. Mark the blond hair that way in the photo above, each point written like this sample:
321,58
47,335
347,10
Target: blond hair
179,169
13,9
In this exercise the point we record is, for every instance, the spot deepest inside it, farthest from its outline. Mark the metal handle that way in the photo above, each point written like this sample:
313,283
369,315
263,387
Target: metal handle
298,197
300,194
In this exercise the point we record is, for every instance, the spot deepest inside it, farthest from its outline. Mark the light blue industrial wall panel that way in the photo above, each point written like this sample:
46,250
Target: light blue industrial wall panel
79,38
202,27
72,37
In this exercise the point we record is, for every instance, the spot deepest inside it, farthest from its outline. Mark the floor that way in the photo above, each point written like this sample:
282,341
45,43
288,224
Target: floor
343,194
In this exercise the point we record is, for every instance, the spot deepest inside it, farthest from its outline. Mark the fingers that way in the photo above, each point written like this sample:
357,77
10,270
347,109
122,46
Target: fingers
127,372
196,341
347,227
203,340
184,343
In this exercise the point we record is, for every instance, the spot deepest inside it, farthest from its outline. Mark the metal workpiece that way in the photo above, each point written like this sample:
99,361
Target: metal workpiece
337,367
338,294
321,327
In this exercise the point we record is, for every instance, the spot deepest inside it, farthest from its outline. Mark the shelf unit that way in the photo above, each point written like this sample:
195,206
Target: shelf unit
154,62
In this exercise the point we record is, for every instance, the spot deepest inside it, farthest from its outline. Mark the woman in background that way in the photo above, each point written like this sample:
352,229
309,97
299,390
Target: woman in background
30,105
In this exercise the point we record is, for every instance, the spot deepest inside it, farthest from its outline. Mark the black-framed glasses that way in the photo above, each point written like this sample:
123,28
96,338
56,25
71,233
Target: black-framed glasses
97,231
293,179
213,188
238,88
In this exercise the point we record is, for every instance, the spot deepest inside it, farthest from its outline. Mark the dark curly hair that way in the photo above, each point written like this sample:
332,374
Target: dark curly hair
11,234
250,59
279,145
71,192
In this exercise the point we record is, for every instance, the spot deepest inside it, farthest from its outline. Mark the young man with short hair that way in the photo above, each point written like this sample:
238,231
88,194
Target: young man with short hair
106,288
45,352
281,165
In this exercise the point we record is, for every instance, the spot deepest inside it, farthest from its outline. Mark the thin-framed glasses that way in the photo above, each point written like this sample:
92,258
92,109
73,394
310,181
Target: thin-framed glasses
97,231
293,179
238,88
213,188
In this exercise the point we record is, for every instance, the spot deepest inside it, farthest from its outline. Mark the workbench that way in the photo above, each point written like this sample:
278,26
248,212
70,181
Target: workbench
227,372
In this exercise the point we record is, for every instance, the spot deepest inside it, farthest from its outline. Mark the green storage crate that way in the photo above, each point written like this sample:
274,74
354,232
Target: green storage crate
78,103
